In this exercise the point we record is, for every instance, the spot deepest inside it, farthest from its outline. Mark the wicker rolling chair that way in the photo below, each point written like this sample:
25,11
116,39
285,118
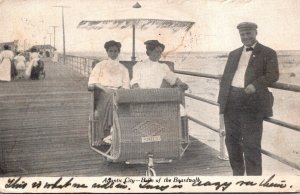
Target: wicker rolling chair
147,127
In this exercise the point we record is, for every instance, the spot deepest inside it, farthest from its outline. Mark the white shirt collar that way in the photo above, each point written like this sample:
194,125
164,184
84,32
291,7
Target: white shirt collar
253,46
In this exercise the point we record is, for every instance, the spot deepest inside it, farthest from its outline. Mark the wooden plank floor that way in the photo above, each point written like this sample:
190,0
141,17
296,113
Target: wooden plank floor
43,132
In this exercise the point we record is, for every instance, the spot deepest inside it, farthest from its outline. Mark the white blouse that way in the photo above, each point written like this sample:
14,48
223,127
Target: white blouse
34,55
110,73
6,54
150,74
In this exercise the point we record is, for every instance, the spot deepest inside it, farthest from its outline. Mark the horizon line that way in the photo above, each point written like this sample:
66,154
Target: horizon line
128,52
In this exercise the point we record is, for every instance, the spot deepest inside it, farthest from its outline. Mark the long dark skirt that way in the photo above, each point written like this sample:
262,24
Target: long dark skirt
13,71
104,109
35,72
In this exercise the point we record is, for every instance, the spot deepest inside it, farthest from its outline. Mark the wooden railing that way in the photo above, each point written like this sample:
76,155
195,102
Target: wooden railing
221,130
84,65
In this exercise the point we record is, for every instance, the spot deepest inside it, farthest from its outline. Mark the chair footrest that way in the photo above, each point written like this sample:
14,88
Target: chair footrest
145,161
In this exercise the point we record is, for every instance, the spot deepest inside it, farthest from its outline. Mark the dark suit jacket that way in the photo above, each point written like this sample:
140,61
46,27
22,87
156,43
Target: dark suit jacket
262,71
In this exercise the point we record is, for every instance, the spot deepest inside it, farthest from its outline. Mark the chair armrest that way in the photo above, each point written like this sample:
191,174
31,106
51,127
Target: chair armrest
91,87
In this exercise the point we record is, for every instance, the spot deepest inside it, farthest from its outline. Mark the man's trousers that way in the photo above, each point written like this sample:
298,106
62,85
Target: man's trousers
243,134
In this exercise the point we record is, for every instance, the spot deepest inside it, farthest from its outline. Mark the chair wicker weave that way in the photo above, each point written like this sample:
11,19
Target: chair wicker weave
149,122
146,121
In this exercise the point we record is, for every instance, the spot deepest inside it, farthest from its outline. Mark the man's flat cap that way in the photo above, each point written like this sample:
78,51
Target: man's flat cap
154,43
247,26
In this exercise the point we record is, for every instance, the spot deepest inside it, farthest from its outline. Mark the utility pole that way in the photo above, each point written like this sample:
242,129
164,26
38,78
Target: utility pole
63,29
50,42
50,39
44,43
54,27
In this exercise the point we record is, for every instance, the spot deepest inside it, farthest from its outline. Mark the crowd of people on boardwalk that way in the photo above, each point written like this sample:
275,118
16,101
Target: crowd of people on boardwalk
20,65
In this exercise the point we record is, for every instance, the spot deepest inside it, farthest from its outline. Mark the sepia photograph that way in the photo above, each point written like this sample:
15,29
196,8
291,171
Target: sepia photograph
166,88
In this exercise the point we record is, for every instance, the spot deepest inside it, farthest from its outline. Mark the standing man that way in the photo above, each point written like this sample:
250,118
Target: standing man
245,100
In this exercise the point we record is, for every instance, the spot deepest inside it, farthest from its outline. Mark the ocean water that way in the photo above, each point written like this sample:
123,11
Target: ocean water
279,140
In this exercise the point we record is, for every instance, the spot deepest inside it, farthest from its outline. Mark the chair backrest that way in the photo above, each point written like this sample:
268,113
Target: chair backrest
148,95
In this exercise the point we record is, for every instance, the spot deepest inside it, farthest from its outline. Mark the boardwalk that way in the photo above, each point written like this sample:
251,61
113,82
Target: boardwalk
44,133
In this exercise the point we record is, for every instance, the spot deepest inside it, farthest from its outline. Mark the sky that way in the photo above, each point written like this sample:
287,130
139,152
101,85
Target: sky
215,23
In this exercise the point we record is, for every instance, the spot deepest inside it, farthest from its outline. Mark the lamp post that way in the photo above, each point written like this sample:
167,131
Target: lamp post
44,43
51,48
136,6
50,41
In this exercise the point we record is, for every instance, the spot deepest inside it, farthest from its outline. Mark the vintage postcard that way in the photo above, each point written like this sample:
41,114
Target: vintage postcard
149,96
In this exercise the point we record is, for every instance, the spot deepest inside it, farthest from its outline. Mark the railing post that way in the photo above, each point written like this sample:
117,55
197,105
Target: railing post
80,65
222,155
76,63
86,67
90,66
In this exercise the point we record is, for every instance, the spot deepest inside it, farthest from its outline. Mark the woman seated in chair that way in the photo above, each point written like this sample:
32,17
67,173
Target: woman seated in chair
151,73
154,74
108,75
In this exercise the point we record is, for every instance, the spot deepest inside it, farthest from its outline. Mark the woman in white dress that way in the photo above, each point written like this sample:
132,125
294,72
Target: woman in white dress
6,57
20,64
108,75
55,57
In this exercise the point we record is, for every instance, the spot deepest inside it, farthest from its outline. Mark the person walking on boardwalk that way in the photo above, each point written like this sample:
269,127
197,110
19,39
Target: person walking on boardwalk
34,66
55,57
6,65
245,100
20,64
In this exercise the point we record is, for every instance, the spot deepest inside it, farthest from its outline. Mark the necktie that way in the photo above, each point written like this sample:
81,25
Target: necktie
249,49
